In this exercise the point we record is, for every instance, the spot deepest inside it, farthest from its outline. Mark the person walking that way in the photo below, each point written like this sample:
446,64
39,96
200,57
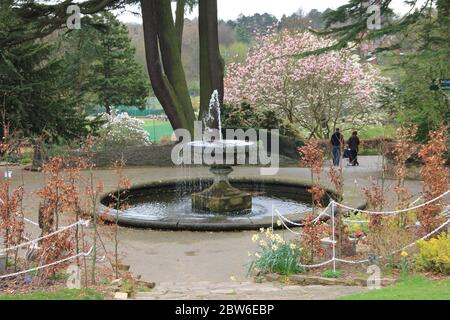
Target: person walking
353,144
337,142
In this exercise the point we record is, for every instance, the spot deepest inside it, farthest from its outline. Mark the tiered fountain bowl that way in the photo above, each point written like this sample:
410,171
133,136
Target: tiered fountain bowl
222,197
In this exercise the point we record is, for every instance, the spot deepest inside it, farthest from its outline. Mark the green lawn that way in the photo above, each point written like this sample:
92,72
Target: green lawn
412,288
65,294
373,132
158,129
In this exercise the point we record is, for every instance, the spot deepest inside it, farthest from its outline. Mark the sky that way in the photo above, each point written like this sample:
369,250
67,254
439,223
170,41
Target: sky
231,9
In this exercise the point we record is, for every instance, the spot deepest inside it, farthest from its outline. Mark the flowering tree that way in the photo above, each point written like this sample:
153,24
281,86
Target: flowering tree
122,130
315,92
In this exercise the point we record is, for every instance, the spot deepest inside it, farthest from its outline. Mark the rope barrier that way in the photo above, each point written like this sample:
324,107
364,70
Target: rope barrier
282,221
334,259
81,254
81,222
322,213
31,222
316,265
396,211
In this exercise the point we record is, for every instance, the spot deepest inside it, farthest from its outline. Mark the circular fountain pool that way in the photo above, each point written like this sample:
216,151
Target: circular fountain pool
168,205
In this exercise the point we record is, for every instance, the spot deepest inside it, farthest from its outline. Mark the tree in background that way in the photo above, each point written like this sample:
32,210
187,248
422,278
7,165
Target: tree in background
348,23
35,99
316,93
113,77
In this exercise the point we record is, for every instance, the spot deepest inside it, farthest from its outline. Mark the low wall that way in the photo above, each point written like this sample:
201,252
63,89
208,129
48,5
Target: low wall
153,155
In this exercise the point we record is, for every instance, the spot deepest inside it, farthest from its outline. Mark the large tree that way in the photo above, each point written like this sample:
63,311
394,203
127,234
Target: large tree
162,36
101,55
36,102
349,22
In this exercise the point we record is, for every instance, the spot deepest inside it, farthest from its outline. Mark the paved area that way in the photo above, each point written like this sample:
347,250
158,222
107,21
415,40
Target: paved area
204,290
187,259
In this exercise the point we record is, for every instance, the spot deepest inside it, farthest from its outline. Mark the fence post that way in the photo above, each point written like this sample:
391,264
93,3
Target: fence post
273,212
333,209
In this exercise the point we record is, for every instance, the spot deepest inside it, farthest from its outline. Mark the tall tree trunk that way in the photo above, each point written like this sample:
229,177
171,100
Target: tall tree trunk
211,62
108,108
179,21
166,74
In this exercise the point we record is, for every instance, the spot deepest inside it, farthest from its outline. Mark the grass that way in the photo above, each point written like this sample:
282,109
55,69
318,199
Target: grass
374,132
411,288
65,294
158,129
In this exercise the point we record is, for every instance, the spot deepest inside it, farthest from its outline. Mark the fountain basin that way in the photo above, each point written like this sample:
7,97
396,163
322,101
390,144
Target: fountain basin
167,205
222,197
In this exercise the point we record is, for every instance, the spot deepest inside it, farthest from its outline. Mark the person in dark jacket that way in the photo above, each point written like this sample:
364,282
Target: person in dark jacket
337,142
353,144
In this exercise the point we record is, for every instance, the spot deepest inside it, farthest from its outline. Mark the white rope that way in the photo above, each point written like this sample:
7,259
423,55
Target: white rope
396,211
316,265
367,221
322,213
31,222
405,247
356,221
426,236
300,224
81,254
282,221
81,222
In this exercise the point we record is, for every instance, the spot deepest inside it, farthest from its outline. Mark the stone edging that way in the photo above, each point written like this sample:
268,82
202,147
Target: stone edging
304,280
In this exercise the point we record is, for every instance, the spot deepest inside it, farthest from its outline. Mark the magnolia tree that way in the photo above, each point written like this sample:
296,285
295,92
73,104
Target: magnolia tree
316,93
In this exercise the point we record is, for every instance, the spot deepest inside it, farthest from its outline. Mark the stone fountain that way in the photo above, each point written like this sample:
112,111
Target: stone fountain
221,197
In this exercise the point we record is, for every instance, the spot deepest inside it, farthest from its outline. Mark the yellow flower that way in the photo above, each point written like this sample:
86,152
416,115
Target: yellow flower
249,254
293,246
262,243
255,238
404,254
261,230
257,255
279,223
274,247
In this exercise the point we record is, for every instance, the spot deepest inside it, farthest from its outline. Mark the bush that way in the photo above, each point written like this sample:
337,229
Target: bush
434,254
276,255
331,274
122,131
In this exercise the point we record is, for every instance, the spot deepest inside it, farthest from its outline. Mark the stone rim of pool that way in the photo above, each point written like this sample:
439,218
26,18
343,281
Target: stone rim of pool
218,222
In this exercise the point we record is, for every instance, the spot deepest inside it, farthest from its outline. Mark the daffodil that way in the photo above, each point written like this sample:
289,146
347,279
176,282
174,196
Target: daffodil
279,223
274,247
404,254
292,246
257,255
255,238
262,243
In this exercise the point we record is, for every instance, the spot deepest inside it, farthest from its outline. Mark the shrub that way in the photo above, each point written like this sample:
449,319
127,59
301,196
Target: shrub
434,254
275,255
389,236
331,274
122,131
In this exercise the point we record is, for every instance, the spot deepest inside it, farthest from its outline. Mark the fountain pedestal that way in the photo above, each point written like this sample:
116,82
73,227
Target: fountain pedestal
222,197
